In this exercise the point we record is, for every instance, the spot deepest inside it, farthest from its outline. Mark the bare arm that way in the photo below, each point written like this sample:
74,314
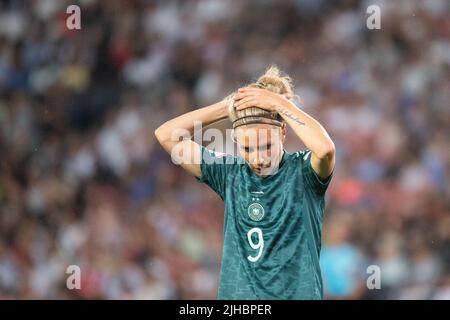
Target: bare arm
187,152
312,134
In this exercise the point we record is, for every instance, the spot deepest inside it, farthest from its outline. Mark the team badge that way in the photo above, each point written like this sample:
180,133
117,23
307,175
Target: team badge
256,211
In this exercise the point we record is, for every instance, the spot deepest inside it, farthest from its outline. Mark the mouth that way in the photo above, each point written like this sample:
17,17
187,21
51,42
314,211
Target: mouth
260,170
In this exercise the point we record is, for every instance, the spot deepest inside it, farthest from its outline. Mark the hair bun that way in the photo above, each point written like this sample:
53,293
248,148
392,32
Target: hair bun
273,80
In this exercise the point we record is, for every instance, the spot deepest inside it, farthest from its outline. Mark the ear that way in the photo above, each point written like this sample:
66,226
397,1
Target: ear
283,132
233,136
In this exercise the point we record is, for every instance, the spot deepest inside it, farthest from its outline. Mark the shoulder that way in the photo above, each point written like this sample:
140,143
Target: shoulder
216,157
299,156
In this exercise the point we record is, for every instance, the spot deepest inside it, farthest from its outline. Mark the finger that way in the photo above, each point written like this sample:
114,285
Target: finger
243,101
246,93
239,96
247,104
249,89
243,95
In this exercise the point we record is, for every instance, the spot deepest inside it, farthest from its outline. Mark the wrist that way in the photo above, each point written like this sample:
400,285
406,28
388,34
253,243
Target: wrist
222,111
282,105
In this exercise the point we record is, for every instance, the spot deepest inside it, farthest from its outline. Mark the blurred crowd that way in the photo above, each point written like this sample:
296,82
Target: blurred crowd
83,181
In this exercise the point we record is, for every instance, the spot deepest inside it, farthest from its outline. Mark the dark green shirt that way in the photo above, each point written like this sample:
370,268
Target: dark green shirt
272,227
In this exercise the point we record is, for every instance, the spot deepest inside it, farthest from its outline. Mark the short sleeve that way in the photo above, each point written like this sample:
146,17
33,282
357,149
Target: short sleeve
214,168
312,180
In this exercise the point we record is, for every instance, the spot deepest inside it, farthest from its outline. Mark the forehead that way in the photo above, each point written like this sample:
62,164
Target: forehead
257,134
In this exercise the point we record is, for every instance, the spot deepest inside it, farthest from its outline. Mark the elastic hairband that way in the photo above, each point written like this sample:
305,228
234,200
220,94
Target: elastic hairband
254,116
258,121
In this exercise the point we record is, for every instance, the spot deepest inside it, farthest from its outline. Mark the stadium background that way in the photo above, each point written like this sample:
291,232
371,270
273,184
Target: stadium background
83,181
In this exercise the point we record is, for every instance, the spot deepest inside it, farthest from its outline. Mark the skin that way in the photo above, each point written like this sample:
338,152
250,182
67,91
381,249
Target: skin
306,128
261,145
190,150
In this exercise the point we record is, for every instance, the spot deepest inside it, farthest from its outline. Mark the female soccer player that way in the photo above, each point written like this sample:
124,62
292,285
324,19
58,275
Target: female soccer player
274,200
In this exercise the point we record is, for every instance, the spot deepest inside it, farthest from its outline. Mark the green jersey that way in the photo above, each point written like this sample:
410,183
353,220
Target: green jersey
272,227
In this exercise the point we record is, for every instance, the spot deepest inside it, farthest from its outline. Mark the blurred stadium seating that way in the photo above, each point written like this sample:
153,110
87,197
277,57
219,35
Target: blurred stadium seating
83,181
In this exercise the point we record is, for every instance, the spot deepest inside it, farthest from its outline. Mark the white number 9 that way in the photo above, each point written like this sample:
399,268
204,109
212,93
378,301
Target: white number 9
257,246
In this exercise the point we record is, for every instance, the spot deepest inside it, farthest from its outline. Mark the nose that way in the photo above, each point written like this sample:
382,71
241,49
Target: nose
257,159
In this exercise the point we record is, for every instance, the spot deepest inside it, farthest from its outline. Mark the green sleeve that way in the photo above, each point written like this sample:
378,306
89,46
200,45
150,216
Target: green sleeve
214,168
312,180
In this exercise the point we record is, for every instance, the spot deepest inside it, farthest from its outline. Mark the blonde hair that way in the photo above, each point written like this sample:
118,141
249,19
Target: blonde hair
272,80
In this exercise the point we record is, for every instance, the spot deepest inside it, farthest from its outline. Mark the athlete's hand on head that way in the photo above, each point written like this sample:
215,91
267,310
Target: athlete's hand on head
247,97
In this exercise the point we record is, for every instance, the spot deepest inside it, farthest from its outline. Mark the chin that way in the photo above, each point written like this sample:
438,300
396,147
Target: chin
265,172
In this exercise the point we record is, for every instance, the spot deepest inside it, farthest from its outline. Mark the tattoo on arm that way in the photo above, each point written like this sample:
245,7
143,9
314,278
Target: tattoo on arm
291,116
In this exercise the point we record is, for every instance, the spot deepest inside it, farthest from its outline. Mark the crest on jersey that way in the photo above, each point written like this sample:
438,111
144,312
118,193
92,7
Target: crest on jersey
256,211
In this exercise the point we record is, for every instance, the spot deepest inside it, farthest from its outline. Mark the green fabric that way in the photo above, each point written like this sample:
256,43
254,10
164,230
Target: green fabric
286,209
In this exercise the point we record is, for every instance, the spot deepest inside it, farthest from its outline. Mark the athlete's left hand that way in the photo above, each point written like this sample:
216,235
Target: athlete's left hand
255,97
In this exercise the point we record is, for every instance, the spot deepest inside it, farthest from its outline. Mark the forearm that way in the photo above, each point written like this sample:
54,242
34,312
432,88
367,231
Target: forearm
309,130
186,122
